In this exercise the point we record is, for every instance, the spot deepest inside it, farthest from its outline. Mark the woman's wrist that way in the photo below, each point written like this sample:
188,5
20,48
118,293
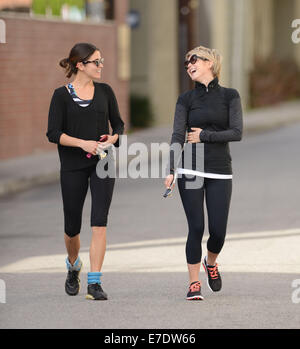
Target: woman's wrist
69,141
80,143
115,137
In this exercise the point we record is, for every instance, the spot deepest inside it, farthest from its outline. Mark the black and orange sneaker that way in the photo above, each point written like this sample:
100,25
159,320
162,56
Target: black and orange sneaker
194,292
214,280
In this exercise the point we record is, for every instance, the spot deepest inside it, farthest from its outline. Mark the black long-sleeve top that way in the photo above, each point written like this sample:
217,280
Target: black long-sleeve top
217,111
88,123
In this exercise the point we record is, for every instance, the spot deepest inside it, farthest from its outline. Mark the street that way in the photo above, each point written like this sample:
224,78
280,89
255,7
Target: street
144,270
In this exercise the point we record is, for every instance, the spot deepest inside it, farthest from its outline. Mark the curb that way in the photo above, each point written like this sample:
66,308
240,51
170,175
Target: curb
14,186
273,117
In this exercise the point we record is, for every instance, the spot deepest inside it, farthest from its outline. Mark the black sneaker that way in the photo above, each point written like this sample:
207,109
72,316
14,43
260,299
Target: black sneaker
194,292
214,280
95,292
72,285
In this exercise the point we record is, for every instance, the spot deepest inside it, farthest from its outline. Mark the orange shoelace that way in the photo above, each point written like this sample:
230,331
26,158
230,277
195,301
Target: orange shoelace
195,287
213,271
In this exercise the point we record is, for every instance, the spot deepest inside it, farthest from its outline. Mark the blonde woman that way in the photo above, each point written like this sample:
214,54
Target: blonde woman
211,115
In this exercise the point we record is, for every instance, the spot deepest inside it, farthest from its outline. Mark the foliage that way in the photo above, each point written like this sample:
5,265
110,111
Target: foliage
140,111
273,81
40,6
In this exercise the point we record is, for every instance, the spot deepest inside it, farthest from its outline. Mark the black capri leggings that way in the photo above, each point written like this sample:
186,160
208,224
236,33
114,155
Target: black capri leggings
217,196
74,186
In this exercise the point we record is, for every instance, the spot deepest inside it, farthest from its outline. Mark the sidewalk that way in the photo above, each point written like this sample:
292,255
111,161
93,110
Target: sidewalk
29,171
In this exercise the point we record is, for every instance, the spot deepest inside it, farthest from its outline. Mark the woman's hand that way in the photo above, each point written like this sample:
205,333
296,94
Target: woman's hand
169,180
194,136
110,140
89,146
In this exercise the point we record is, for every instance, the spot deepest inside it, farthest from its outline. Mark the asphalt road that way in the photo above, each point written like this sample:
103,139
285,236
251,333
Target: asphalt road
144,271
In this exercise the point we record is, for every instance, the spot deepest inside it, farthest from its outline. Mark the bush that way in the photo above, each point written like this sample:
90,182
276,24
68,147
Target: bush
140,112
39,6
274,81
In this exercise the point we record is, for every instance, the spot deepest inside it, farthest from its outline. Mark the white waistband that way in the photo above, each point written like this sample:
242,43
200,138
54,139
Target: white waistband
203,174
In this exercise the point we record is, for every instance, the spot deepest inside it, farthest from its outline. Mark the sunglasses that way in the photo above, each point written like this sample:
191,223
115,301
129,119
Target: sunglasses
193,60
97,62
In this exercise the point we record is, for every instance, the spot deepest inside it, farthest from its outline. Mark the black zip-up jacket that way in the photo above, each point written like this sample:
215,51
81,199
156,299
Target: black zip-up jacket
88,123
217,111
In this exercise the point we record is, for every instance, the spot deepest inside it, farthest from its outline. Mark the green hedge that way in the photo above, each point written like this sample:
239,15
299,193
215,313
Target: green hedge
39,6
140,112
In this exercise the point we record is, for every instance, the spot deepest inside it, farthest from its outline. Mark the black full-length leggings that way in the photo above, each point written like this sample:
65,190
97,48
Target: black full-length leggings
217,194
74,187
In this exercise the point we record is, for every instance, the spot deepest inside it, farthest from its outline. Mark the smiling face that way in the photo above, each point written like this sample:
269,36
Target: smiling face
90,67
200,70
203,64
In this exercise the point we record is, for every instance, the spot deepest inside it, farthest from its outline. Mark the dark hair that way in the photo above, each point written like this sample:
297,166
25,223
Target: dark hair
80,52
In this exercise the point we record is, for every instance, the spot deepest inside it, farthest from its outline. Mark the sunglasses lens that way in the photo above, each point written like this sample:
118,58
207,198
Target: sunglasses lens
193,59
98,62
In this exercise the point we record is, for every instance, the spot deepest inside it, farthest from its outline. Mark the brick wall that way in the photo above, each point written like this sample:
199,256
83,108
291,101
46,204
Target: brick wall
29,73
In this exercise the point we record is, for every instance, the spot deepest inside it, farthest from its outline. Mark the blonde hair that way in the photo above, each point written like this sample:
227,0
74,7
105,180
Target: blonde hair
211,54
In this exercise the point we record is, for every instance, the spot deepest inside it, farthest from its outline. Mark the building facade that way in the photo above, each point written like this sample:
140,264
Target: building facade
244,31
29,72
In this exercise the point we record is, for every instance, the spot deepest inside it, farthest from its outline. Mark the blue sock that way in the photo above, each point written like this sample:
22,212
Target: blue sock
76,266
94,278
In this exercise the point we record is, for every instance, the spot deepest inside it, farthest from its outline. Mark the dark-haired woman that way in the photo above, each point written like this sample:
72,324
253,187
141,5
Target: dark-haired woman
79,115
212,117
